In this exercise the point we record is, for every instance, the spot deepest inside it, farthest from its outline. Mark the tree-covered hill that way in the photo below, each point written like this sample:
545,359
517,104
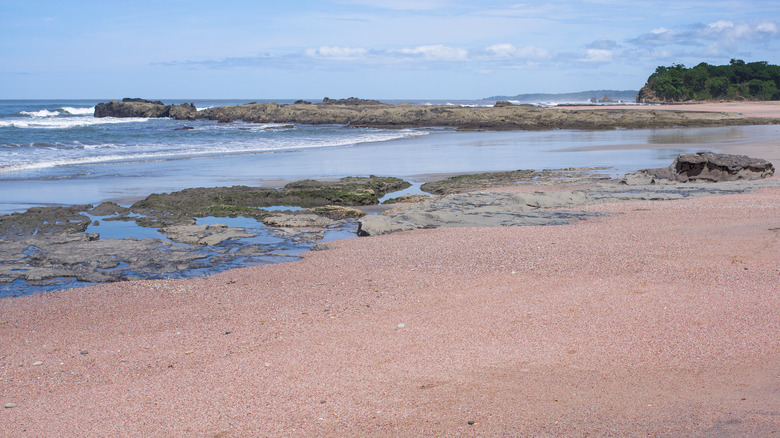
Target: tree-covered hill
736,81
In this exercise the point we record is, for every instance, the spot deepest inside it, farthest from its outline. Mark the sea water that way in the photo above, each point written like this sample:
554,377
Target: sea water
54,152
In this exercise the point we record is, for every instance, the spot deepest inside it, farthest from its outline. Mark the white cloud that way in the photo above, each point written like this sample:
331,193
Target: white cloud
719,26
660,31
767,28
598,55
509,51
437,52
725,34
336,52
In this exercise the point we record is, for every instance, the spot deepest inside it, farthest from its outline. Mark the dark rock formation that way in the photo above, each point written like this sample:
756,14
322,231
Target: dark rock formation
351,101
708,166
367,113
44,221
502,103
47,244
139,100
180,207
646,95
145,108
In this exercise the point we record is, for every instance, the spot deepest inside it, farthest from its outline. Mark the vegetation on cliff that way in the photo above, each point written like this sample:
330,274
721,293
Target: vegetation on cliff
736,81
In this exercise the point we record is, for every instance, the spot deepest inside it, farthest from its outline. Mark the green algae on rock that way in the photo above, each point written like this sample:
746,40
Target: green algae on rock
249,201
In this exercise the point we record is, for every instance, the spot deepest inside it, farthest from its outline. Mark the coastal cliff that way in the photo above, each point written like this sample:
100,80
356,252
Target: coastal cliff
363,113
754,81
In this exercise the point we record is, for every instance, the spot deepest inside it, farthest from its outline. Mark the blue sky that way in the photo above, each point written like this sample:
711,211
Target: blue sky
383,49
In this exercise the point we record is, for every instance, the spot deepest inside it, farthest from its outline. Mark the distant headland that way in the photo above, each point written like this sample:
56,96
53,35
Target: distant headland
757,81
591,96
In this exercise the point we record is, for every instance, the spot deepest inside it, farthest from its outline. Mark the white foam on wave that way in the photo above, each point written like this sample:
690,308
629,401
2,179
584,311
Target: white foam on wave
79,111
40,113
245,126
190,152
65,122
472,105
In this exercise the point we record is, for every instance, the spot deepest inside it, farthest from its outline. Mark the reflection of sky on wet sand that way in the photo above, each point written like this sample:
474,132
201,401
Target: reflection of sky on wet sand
444,151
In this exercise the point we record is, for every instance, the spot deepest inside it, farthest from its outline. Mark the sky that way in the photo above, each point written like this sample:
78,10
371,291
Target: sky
377,49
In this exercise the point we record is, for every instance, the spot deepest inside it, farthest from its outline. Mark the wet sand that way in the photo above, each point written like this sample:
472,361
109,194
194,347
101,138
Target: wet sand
755,148
747,109
662,319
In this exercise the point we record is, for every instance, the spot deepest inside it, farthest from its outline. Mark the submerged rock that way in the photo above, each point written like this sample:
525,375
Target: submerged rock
45,221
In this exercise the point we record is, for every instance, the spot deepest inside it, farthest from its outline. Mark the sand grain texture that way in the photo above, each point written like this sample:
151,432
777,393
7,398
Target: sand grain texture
662,320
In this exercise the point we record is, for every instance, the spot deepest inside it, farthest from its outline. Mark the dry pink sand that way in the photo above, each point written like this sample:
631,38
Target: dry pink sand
662,320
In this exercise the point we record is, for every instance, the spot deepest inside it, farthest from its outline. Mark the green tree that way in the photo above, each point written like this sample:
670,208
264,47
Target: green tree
755,80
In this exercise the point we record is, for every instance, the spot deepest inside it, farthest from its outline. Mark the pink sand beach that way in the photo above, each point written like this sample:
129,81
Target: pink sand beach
661,319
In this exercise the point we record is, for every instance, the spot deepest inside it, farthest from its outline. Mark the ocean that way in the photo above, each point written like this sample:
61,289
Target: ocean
54,152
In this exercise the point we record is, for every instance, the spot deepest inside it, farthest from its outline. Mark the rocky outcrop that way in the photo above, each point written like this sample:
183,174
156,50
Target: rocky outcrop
688,176
350,101
146,109
206,235
37,259
297,221
378,224
44,221
646,95
708,166
173,208
478,209
367,113
470,182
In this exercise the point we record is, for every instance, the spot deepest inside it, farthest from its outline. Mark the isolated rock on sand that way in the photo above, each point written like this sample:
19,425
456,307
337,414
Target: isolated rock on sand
375,225
708,166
